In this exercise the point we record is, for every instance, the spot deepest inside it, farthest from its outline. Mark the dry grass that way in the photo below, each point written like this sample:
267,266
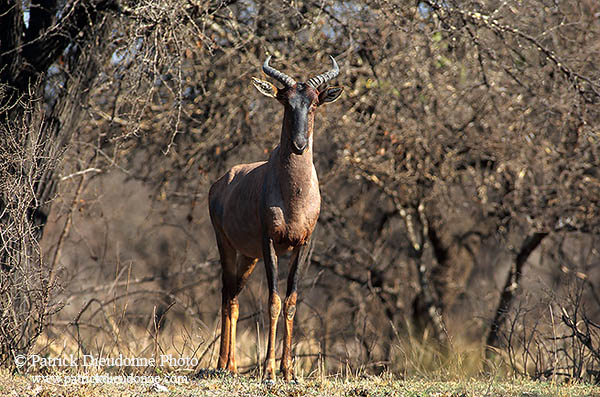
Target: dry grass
423,371
225,385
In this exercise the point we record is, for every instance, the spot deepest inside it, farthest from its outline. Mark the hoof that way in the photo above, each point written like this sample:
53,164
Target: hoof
290,377
269,382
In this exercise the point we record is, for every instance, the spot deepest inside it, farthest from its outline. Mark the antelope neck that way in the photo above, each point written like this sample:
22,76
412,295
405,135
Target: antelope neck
295,170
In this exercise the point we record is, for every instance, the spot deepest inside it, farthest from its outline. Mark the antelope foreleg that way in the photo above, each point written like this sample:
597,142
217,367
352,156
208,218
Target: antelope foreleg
289,310
270,259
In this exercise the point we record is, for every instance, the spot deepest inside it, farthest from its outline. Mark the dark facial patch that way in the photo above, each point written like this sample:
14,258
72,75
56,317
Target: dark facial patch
298,101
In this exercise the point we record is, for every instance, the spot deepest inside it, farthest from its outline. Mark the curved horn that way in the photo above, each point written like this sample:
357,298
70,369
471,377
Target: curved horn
325,77
277,75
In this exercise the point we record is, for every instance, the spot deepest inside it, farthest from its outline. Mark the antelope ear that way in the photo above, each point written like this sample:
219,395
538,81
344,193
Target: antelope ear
330,94
264,87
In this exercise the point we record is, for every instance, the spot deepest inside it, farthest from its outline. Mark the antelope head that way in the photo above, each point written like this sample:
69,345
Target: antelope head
300,101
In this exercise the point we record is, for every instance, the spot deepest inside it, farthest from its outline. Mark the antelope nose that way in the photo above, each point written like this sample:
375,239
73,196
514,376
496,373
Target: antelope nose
299,145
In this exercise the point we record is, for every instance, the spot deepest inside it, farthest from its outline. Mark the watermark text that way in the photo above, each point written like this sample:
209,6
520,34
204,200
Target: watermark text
37,361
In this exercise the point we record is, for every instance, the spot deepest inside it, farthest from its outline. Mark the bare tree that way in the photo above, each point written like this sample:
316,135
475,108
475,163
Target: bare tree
47,66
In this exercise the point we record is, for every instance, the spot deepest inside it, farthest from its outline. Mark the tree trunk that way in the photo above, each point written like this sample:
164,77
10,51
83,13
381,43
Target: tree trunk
511,286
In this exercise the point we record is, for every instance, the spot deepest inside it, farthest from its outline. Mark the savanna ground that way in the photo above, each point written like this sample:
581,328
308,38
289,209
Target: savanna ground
363,386
427,372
